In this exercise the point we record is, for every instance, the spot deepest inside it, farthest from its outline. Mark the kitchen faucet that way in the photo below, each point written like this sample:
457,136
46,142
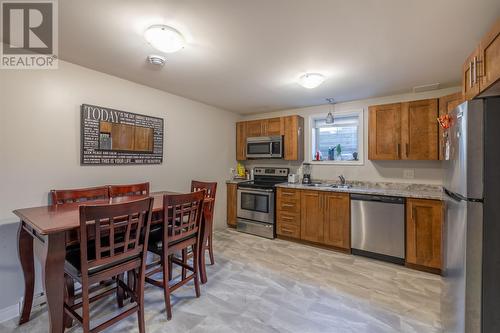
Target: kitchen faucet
342,180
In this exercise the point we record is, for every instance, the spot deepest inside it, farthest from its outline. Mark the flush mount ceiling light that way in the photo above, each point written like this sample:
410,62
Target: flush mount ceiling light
329,117
164,38
311,80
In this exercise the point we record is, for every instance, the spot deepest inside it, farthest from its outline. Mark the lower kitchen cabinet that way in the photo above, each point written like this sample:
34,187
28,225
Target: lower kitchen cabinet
336,220
311,216
288,213
231,205
424,234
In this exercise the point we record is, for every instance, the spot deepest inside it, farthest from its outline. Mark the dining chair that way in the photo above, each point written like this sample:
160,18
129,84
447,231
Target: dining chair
119,246
62,197
182,215
210,191
130,189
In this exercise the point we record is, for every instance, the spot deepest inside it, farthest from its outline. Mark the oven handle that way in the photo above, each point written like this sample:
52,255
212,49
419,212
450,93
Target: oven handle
255,191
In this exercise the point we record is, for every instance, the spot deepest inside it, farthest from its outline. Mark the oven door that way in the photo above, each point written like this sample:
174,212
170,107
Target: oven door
265,147
256,204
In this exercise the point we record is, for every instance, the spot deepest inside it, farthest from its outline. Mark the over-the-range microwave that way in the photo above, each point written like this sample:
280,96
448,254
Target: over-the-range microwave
265,147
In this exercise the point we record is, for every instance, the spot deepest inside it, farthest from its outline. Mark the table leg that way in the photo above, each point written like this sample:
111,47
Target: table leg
25,252
53,278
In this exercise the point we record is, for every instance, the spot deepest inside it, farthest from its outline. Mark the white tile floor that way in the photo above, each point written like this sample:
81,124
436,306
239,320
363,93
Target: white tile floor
260,285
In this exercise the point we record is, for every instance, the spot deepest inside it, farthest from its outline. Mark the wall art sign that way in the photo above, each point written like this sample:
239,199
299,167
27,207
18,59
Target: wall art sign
111,136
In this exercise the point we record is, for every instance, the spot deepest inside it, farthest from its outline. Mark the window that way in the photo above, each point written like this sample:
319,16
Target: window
340,142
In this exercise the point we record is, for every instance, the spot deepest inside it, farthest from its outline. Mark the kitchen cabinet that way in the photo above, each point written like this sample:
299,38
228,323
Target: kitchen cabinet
403,131
336,220
231,204
481,70
254,128
272,127
489,55
470,82
424,234
241,141
384,132
446,104
419,130
288,213
293,130
311,216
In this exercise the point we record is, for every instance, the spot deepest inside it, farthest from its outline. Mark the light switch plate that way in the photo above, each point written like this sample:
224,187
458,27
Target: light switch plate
409,173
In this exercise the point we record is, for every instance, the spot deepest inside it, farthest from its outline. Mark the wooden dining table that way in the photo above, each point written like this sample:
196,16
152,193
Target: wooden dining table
43,232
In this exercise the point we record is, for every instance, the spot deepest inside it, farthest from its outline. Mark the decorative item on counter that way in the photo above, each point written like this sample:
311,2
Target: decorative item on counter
444,121
241,170
331,153
355,156
317,156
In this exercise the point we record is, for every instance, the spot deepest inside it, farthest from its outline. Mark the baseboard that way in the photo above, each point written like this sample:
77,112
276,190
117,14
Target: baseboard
9,312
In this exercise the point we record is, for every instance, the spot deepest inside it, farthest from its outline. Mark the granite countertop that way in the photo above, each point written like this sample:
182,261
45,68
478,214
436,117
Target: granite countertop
419,191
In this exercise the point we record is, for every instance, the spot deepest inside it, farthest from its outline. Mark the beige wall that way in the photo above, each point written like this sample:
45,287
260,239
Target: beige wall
429,172
40,136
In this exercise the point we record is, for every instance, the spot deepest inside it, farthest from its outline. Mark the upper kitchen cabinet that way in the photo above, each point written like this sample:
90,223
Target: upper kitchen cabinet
419,130
481,69
489,54
446,104
293,128
403,131
241,141
384,132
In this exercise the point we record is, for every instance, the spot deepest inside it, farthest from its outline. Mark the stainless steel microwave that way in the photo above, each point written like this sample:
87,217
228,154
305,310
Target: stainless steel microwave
265,147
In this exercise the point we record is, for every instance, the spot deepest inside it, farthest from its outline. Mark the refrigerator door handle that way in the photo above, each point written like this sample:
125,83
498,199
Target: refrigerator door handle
453,196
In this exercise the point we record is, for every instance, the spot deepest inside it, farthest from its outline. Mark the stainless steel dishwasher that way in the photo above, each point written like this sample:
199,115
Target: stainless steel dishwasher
378,227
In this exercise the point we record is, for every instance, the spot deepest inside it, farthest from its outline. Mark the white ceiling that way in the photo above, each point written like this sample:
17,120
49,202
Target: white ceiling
246,55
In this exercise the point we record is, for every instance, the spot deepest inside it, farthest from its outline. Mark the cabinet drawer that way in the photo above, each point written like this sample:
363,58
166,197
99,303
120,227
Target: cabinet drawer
288,194
288,206
288,218
288,230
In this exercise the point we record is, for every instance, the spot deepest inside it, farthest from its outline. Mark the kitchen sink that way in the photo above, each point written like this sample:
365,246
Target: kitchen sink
346,186
317,185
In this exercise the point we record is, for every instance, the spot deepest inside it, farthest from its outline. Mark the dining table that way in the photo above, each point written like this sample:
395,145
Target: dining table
45,231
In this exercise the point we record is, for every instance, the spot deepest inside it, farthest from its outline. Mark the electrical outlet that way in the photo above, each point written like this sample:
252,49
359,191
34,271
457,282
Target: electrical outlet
409,173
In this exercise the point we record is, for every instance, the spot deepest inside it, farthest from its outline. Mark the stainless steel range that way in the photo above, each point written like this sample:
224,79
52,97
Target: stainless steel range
256,202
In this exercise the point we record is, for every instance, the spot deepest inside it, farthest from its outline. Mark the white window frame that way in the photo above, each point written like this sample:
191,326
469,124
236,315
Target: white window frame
361,139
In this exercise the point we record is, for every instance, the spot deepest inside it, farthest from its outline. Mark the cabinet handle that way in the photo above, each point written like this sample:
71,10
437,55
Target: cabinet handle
407,148
398,150
287,193
286,231
287,205
475,70
471,80
287,218
413,214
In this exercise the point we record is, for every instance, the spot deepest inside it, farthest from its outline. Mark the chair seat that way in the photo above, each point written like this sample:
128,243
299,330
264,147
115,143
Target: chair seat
156,237
73,261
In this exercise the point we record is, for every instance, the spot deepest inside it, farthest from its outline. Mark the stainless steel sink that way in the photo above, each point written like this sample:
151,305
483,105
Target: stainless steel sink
316,185
344,187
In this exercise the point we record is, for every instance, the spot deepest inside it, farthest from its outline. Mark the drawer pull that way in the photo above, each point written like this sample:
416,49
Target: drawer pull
286,231
287,218
287,205
287,193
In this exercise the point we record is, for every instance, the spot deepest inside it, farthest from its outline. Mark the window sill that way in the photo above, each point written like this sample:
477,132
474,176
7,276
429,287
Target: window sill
329,162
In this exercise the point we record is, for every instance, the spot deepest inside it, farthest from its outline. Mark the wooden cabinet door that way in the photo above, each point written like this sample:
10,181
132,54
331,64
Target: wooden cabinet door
446,104
470,83
311,216
384,132
241,141
293,131
337,225
231,204
254,128
489,53
419,130
424,232
288,212
272,127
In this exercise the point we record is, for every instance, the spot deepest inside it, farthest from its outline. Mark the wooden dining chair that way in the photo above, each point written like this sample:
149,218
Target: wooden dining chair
119,246
130,189
181,230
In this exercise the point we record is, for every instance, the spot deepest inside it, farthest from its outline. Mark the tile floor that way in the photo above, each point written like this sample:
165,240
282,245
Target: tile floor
260,285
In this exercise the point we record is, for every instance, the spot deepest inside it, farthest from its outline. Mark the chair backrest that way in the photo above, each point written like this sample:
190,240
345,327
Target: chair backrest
209,187
182,215
131,189
120,231
61,197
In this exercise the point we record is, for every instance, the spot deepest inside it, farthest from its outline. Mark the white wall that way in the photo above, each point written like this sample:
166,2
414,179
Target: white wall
40,142
426,172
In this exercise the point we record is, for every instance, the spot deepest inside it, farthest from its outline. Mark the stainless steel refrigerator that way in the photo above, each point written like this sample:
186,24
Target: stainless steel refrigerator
471,297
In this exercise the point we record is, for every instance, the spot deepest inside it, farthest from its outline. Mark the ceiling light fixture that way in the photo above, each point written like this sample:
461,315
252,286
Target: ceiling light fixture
164,38
311,80
329,117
